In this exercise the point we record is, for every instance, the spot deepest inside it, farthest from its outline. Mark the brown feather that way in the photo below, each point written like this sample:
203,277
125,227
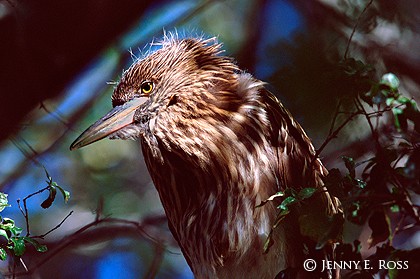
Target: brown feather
216,144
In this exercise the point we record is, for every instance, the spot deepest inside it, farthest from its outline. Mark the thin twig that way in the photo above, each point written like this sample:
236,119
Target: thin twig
378,113
397,228
404,153
99,208
52,146
33,157
409,226
337,109
157,261
334,134
55,115
73,238
411,208
23,264
357,164
55,228
377,118
355,27
375,136
24,210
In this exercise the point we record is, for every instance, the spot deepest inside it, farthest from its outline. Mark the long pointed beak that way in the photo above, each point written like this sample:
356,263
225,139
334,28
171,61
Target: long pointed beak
116,119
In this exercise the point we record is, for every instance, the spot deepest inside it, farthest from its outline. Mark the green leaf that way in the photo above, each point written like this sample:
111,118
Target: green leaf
355,209
286,202
357,246
3,254
334,183
47,203
396,111
306,193
42,248
39,247
18,246
272,197
391,80
3,201
51,197
290,192
362,184
268,242
7,224
379,225
4,234
280,217
332,230
16,231
404,100
350,165
66,194
395,208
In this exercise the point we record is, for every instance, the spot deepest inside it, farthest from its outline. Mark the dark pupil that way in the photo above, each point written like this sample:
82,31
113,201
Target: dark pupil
147,87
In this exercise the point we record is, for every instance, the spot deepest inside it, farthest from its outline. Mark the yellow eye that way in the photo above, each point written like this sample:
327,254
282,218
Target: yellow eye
146,87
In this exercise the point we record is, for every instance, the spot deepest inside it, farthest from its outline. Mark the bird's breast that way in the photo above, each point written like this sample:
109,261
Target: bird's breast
210,183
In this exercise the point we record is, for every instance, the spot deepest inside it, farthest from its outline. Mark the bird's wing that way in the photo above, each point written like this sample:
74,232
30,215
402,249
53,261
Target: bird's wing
295,153
298,168
318,219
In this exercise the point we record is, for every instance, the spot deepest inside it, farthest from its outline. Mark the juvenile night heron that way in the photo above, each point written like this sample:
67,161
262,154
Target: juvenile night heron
216,144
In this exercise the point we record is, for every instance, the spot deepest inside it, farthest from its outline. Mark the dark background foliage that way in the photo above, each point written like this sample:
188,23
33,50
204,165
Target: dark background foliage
323,59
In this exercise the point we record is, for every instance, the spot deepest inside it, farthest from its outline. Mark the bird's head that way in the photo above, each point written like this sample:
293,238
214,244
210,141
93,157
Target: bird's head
173,83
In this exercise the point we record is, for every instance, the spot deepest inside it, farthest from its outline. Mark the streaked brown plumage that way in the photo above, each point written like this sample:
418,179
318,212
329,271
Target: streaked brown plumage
216,144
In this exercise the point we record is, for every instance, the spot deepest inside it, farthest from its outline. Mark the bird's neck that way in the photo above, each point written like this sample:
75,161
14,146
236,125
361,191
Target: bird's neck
214,205
210,190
